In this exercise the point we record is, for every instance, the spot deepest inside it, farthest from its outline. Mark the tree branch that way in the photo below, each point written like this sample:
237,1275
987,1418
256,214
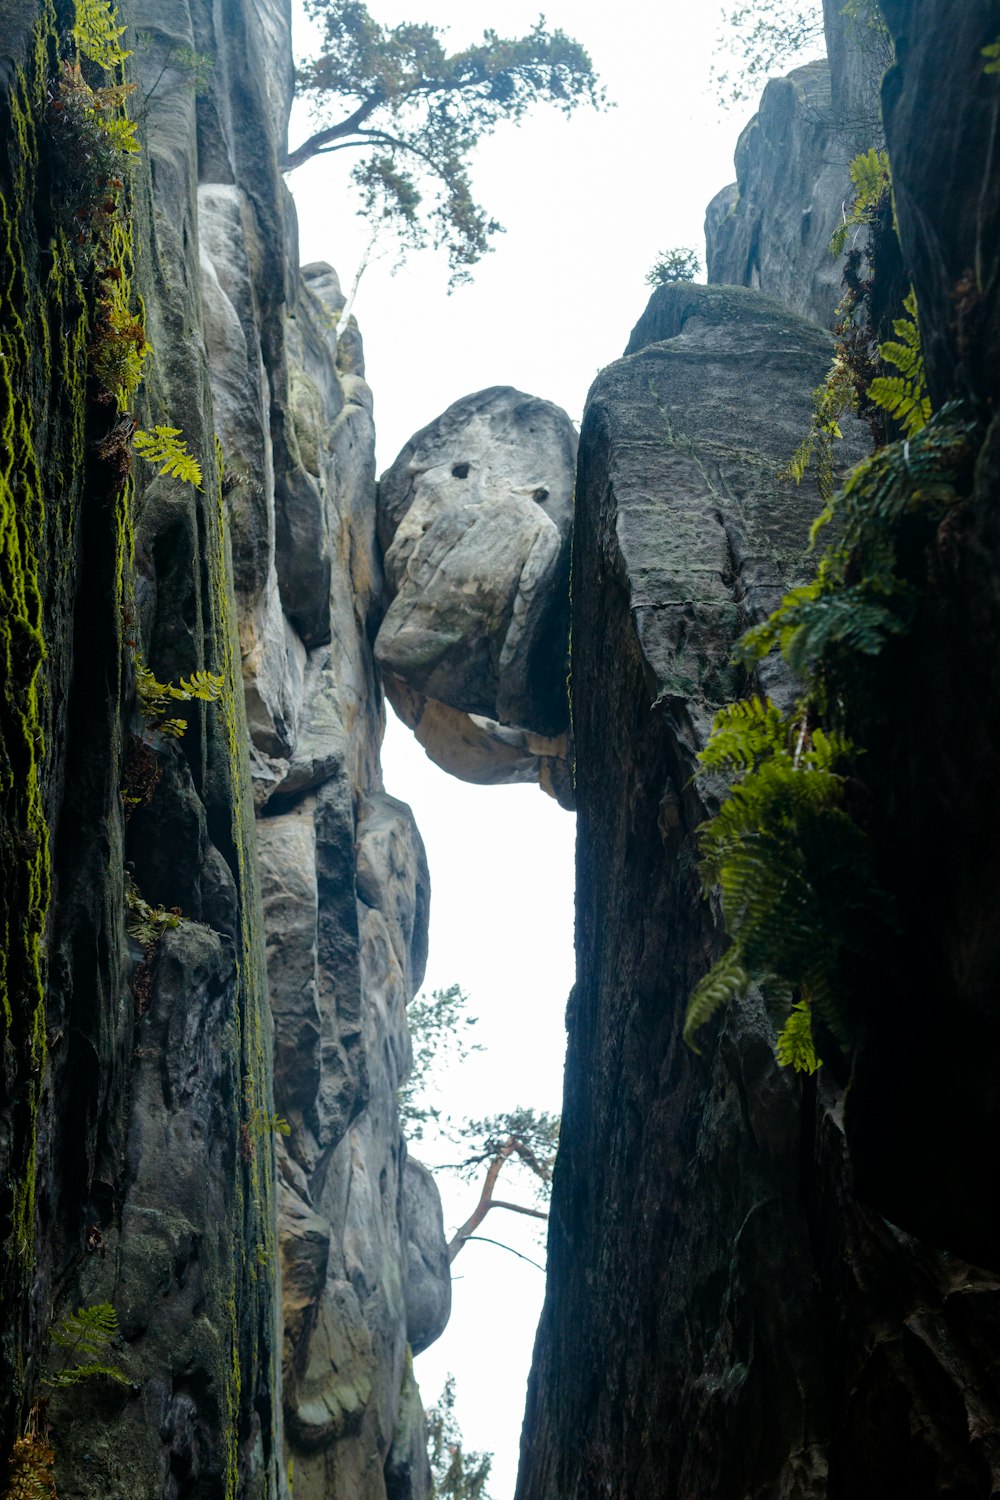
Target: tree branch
486,1199
519,1208
509,1248
321,138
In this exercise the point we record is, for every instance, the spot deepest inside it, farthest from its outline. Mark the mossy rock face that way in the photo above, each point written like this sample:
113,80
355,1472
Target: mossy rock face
79,999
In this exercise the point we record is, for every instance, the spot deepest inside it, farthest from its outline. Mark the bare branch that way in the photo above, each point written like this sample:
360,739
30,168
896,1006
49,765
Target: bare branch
485,1239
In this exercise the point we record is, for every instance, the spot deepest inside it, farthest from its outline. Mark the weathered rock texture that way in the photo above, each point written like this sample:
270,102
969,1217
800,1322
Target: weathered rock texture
771,228
723,1317
923,1112
475,516
143,1093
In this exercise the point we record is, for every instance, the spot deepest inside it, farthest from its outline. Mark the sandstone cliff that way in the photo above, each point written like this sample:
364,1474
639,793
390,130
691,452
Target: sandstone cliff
151,1073
737,1304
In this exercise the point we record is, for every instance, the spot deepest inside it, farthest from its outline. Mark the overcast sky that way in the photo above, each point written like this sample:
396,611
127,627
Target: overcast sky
587,203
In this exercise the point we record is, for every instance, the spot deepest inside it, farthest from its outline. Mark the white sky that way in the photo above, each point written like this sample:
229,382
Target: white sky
587,203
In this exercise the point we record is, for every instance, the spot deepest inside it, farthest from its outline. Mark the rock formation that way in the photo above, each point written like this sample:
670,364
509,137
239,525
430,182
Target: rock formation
213,914
261,1009
729,1313
710,1324
771,228
475,517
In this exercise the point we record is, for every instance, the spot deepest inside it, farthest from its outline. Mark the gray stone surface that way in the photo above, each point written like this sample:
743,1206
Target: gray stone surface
158,1129
475,517
771,229
723,1317
428,1279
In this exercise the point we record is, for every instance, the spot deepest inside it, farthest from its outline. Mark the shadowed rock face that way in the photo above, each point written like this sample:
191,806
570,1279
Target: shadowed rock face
723,1318
475,517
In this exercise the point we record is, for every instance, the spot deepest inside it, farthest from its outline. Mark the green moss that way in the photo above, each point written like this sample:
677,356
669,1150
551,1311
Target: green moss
46,321
255,1257
31,306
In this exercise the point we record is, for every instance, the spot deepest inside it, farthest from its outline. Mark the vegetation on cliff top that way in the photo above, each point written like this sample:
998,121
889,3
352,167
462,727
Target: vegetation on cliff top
416,112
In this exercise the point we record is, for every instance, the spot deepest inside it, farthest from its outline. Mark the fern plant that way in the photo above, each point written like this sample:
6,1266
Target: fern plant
155,697
794,870
871,180
145,923
98,35
119,352
904,396
29,1475
861,595
777,850
85,1336
166,446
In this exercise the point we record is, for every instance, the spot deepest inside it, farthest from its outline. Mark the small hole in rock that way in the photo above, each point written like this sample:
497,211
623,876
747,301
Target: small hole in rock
540,495
461,471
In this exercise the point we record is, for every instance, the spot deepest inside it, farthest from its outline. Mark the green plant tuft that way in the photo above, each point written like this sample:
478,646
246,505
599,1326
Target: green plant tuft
904,396
166,446
85,1336
97,34
794,869
155,697
795,1047
871,178
147,924
30,1474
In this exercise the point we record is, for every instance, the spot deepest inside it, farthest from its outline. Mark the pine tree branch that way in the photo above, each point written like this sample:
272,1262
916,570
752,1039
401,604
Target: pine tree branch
320,139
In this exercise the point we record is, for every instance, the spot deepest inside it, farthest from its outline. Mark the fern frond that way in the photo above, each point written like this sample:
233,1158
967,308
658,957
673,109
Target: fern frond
120,130
795,1047
742,735
871,177
85,1336
88,1327
146,924
97,34
726,980
992,55
154,696
871,180
904,396
204,685
164,445
73,1374
29,1475
174,729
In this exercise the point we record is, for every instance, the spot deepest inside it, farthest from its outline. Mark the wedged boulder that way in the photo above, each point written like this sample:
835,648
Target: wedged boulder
475,517
428,1272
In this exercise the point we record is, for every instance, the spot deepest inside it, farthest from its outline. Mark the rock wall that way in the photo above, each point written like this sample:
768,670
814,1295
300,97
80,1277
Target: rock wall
723,1317
923,1116
737,1305
149,1081
771,228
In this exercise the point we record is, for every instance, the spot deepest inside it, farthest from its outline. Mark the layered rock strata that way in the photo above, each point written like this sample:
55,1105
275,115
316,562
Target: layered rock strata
723,1317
